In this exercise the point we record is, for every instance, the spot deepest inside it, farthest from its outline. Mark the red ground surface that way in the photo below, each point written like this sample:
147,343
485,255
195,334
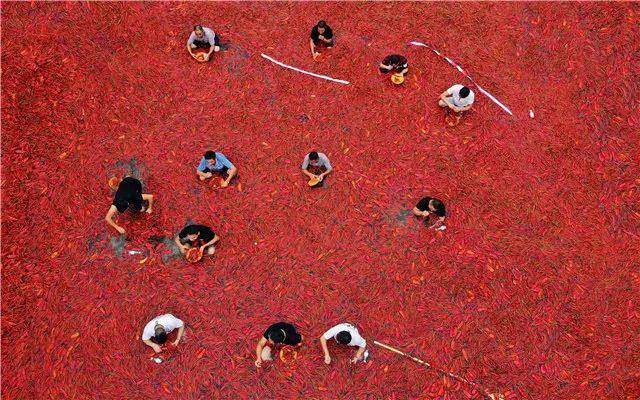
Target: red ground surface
532,291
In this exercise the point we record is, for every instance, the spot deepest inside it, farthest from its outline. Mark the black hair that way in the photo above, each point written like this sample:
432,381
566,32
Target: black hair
277,336
322,24
161,337
191,230
314,155
464,92
198,28
437,204
210,155
343,337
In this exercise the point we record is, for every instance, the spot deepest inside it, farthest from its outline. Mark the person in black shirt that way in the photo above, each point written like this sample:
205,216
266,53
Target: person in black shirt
321,35
128,196
197,236
279,333
394,63
429,205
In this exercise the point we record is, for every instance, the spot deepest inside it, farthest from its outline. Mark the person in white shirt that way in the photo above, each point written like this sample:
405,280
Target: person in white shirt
156,331
316,165
458,98
203,37
346,334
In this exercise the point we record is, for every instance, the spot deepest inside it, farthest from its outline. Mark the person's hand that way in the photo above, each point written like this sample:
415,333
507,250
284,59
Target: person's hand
315,55
216,48
149,210
201,249
426,213
258,363
321,37
157,348
120,230
355,359
176,342
327,359
208,175
183,249
224,184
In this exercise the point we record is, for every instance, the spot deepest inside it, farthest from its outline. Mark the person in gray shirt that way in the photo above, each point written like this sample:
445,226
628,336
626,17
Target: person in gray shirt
316,165
202,38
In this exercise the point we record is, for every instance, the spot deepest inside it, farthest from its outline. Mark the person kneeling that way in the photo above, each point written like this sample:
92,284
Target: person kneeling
276,334
458,98
197,236
155,332
128,196
427,206
203,38
321,35
345,334
316,166
217,163
394,63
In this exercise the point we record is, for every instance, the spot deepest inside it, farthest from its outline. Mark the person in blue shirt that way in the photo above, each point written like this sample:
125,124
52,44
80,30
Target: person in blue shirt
216,163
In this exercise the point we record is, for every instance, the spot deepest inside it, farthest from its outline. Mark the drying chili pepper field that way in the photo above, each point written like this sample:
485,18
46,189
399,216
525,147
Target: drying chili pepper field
531,291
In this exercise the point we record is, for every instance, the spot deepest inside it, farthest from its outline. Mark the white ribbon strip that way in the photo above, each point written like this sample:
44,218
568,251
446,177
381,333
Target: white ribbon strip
303,71
489,95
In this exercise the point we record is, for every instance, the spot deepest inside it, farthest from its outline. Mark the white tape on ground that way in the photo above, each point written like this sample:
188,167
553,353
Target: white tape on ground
459,68
303,71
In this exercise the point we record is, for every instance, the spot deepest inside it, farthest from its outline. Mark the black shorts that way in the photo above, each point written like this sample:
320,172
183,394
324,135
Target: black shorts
201,44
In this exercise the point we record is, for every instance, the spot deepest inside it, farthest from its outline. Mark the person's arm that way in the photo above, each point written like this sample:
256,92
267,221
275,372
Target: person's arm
327,172
305,165
204,174
325,349
110,221
231,173
183,248
190,43
231,170
313,48
180,333
212,47
149,198
419,213
445,94
215,239
154,346
328,166
358,355
259,348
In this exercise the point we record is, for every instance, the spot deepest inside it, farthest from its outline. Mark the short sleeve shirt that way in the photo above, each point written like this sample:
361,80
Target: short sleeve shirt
292,337
168,321
454,92
206,235
209,37
221,163
356,339
129,192
395,60
322,161
315,35
423,205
